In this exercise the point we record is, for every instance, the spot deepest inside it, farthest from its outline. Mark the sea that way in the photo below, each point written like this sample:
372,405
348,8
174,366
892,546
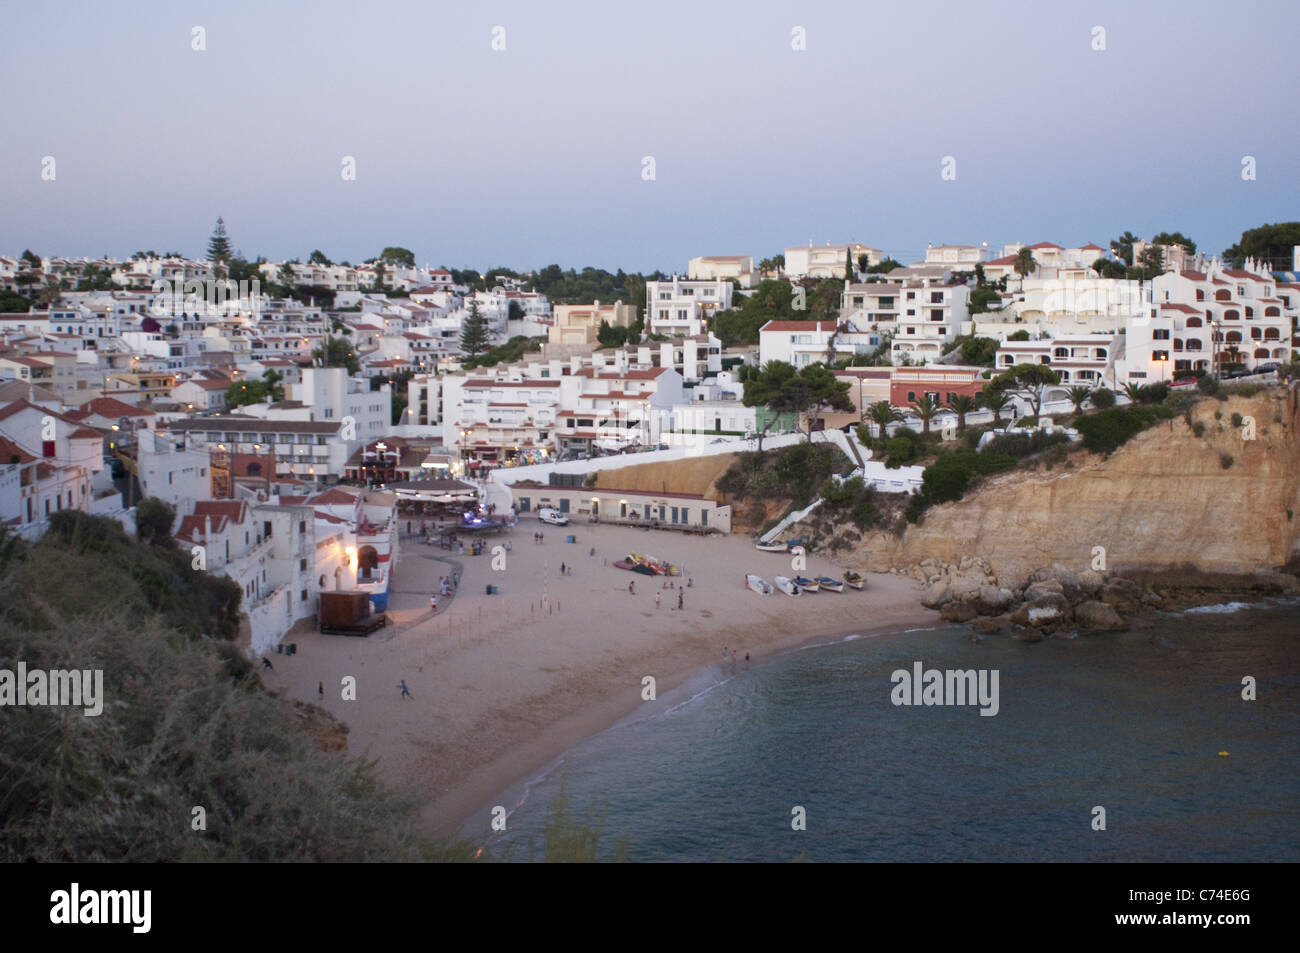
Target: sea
1135,746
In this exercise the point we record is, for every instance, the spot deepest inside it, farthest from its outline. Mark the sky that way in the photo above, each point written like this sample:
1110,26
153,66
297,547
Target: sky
535,154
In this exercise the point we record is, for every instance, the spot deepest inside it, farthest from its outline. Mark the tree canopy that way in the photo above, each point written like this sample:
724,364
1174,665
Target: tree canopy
1028,381
783,389
1271,244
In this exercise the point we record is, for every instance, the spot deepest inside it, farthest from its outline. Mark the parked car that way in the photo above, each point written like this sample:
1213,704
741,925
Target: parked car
553,516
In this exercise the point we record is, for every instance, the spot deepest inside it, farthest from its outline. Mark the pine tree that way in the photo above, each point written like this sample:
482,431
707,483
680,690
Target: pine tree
848,265
219,244
474,332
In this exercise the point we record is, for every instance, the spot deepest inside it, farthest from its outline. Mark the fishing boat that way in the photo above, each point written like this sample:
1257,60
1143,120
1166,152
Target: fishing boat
805,584
780,546
758,584
853,580
832,585
786,585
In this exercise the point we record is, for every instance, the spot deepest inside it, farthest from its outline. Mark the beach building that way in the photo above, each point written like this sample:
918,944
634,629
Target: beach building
680,511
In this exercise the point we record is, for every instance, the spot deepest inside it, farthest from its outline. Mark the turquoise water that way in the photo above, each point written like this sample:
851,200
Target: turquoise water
1131,722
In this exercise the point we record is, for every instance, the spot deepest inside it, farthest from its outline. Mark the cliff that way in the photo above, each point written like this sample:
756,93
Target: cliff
1166,502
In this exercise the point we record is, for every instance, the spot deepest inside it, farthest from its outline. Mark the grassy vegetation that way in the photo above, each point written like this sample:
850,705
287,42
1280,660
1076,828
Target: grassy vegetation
186,723
512,350
800,473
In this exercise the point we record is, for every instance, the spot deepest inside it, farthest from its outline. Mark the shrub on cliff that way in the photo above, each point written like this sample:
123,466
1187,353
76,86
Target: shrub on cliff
952,474
1103,432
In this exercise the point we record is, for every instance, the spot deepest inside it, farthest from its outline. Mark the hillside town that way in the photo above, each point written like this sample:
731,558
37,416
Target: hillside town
303,419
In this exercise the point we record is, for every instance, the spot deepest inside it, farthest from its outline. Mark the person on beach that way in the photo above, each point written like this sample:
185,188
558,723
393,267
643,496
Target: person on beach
724,653
593,550
561,569
406,692
631,588
689,583
746,658
266,663
656,600
679,599
320,690
433,604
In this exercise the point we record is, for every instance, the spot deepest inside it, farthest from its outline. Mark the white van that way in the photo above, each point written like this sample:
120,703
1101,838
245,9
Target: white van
553,516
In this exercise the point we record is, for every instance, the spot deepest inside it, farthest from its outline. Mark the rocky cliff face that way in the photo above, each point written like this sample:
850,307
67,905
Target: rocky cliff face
1168,501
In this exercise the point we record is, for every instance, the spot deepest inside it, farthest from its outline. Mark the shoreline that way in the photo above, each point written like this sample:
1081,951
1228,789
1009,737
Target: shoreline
543,757
501,685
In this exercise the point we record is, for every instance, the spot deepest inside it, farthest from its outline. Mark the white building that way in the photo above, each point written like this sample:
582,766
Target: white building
738,268
827,261
681,307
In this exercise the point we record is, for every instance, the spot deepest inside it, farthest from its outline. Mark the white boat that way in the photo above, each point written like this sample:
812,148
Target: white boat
770,547
786,585
758,584
854,580
826,582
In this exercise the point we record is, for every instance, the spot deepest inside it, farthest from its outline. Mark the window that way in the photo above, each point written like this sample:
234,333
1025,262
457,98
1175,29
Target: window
302,565
911,396
1160,334
911,296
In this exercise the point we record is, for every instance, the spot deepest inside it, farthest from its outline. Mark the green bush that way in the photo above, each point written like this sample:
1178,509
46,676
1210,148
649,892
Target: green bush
1236,419
952,474
1103,398
1198,428
1225,460
1106,430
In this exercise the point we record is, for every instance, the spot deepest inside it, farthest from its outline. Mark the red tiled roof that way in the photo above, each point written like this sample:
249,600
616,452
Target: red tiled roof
798,326
112,407
9,450
1045,245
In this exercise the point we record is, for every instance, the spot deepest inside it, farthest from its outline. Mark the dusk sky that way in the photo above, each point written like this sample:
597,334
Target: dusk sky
533,155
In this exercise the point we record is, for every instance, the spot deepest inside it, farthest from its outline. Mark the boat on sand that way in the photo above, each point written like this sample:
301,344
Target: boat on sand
786,585
853,580
832,585
758,584
806,584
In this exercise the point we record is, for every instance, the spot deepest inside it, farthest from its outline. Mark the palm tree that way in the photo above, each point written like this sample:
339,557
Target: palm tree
1078,394
926,408
1133,391
962,404
882,414
996,401
1024,264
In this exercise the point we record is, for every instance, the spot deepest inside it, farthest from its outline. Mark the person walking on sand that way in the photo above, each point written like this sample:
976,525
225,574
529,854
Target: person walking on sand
561,569
679,599
631,588
656,600
433,604
320,690
406,692
266,663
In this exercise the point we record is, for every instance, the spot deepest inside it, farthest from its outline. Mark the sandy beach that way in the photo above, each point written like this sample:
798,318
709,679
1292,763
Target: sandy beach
503,684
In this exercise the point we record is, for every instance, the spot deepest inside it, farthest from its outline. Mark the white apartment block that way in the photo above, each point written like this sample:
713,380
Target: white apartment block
1201,320
491,421
613,411
954,257
802,343
827,261
171,472
680,307
1048,307
1079,359
307,450
738,268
